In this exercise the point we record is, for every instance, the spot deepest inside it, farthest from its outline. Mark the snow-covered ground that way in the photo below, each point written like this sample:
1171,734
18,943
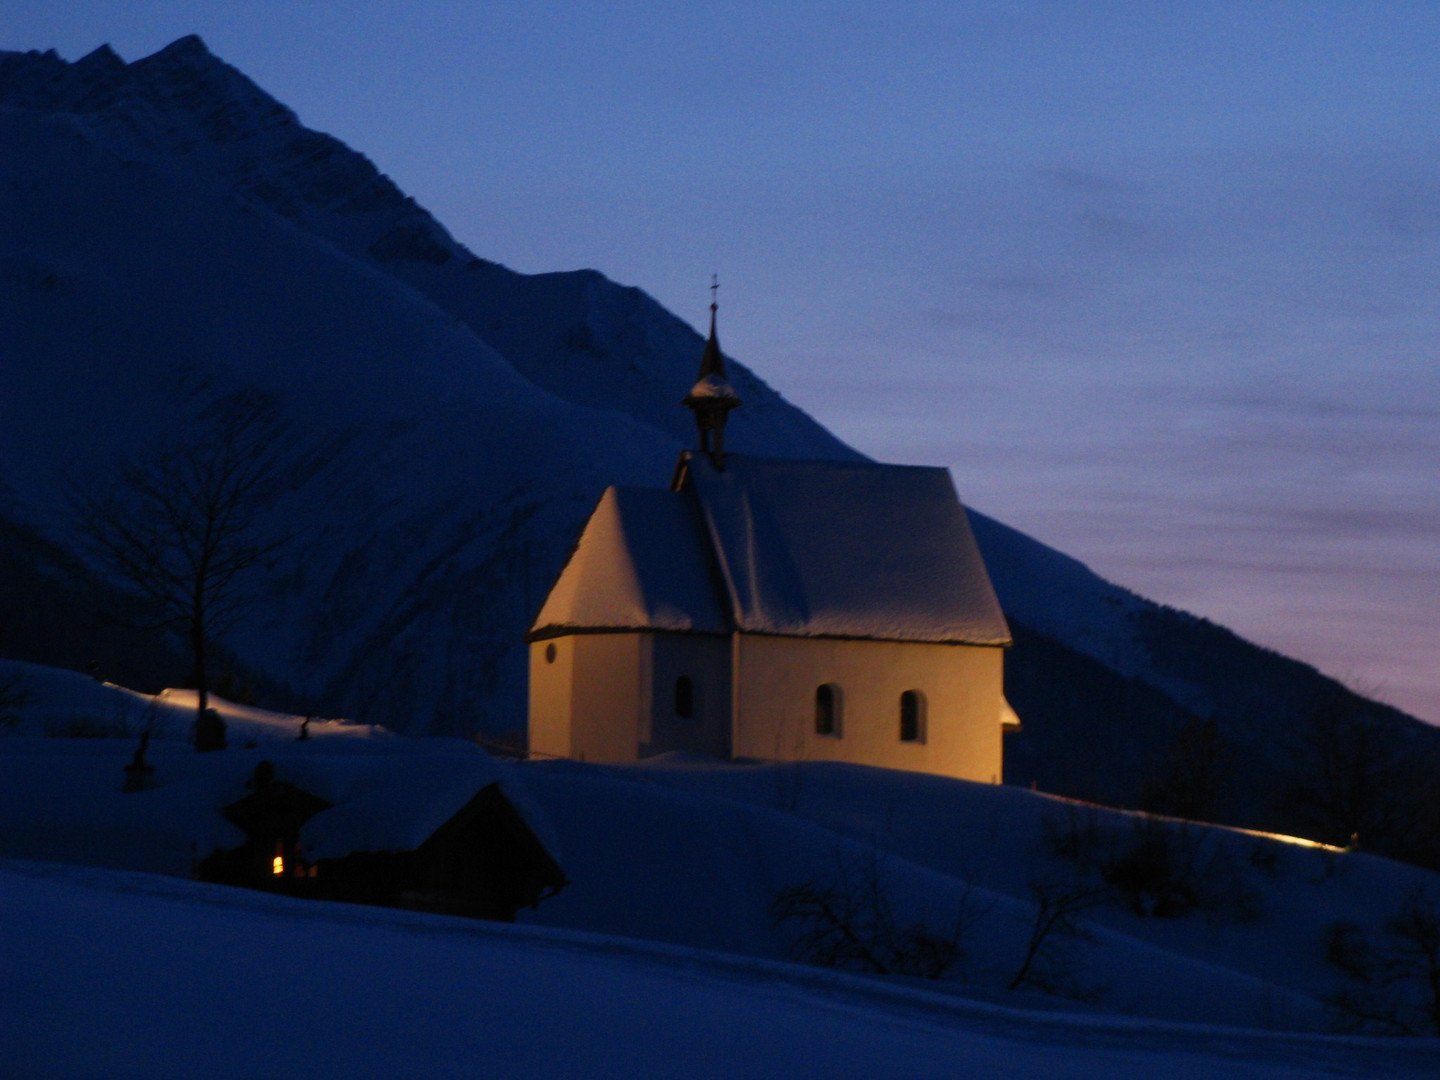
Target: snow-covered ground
55,702
665,953
64,757
115,974
695,853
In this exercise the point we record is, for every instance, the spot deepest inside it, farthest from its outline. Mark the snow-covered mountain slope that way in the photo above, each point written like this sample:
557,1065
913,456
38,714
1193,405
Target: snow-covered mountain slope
53,607
1107,680
195,980
577,335
172,234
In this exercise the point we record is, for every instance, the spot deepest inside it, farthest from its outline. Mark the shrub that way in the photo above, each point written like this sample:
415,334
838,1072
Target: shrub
1392,978
849,921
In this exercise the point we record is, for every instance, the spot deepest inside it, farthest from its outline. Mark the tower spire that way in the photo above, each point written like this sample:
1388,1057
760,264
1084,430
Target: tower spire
712,397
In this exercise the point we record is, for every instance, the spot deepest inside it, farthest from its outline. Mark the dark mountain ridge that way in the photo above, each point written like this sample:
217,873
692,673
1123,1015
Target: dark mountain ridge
172,224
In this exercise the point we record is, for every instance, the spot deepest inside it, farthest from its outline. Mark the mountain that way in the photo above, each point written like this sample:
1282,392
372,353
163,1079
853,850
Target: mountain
173,236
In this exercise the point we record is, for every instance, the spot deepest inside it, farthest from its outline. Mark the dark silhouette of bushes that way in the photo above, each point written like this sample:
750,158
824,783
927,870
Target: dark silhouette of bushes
849,921
1392,979
1157,867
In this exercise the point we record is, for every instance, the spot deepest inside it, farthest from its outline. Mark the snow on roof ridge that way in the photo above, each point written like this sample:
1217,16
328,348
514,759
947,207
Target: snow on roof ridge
820,549
639,564
798,548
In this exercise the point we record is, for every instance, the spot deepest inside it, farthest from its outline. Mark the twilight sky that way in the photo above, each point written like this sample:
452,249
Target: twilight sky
1157,282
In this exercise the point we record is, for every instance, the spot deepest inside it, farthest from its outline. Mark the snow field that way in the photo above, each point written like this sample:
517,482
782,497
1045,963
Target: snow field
123,974
695,853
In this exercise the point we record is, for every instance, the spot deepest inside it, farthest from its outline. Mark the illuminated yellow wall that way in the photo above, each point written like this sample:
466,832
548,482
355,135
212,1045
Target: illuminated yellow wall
586,704
961,685
609,697
550,697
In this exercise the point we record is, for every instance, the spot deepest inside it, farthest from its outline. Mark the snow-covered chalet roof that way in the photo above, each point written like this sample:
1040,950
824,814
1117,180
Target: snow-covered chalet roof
390,800
63,798
798,548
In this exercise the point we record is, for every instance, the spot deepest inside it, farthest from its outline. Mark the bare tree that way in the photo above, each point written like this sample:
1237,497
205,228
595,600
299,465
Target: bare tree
1393,978
1191,781
849,922
1048,965
1344,781
183,525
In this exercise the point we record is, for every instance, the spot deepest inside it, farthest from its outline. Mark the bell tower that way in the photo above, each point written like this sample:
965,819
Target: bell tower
712,397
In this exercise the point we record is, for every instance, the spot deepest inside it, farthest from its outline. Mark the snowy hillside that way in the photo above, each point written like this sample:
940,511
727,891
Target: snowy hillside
1174,921
732,913
53,702
174,234
185,986
1106,682
924,879
706,899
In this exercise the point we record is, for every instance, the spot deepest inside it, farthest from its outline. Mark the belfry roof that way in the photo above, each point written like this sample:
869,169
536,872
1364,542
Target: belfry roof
711,385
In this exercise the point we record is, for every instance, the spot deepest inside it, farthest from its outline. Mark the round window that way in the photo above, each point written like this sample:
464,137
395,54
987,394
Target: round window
550,653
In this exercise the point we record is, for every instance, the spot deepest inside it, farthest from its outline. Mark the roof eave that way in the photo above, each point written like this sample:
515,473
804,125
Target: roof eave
546,633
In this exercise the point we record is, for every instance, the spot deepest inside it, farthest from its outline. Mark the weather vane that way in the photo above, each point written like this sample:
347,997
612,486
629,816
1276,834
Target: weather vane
714,291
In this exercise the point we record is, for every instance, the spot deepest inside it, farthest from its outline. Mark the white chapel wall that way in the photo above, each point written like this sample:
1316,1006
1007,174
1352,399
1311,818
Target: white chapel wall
704,659
587,701
961,686
609,697
552,667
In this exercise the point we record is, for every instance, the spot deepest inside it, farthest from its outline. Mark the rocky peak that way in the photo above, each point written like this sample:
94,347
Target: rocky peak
102,60
185,110
184,78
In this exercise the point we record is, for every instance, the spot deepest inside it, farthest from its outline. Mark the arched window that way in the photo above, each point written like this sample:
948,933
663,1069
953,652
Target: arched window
912,716
684,697
827,709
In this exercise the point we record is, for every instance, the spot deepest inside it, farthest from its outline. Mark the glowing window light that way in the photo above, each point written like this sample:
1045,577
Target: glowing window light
277,865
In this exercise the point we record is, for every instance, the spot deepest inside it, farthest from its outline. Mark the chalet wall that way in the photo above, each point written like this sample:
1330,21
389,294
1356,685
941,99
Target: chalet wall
961,685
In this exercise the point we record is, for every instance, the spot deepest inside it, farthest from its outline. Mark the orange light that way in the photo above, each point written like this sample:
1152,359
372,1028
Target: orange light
1298,841
277,865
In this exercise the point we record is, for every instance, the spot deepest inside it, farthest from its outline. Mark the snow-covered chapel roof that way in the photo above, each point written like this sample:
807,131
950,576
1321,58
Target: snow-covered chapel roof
776,546
641,564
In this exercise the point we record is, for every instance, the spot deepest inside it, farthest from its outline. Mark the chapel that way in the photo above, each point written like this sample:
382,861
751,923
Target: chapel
770,608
